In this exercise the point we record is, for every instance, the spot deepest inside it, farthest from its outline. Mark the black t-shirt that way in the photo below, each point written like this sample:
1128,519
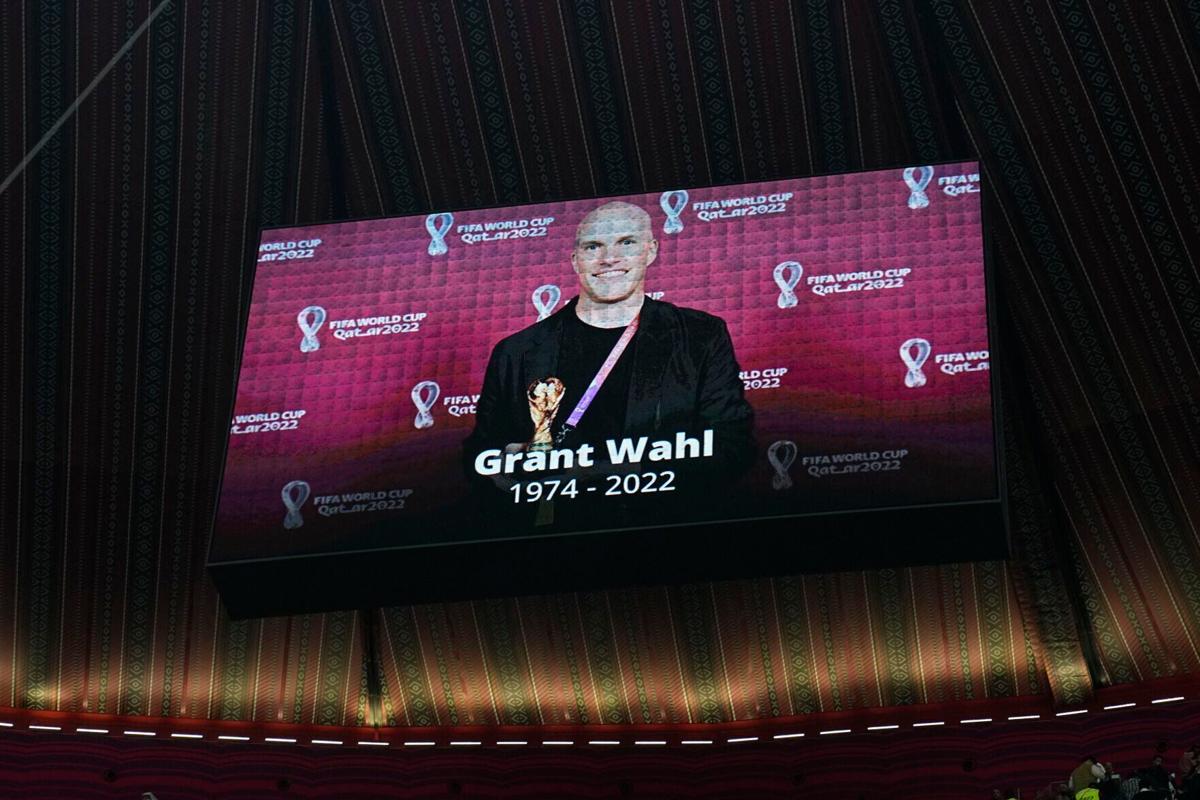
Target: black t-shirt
584,349
1156,777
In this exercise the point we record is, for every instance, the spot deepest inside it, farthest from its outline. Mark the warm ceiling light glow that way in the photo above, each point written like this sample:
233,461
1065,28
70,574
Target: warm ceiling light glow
1166,700
1119,705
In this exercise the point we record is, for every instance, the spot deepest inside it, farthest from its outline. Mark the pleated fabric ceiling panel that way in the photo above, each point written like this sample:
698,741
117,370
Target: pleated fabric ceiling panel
126,244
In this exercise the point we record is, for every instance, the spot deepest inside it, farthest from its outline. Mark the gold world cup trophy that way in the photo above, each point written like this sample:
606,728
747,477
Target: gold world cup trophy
544,396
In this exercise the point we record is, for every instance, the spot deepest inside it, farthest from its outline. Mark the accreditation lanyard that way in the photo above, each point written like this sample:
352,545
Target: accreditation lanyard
602,375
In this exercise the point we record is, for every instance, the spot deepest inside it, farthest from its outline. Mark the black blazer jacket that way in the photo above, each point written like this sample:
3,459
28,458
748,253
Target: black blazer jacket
684,378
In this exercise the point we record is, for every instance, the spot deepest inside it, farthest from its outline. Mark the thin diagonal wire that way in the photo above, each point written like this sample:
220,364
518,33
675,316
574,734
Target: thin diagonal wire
12,176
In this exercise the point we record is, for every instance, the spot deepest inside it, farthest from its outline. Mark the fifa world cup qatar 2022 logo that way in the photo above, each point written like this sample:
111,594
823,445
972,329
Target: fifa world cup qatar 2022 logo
781,455
424,396
545,299
914,353
310,321
438,226
787,274
673,204
917,178
294,494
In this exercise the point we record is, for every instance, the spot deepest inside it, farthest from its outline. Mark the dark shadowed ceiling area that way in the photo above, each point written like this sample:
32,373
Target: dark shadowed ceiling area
125,249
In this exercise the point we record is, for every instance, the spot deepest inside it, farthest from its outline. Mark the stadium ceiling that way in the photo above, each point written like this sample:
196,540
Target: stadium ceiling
126,243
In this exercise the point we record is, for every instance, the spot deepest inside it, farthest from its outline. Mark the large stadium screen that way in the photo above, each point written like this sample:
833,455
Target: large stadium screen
720,361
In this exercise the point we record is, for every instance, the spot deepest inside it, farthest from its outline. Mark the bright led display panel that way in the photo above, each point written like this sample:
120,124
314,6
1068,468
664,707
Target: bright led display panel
785,376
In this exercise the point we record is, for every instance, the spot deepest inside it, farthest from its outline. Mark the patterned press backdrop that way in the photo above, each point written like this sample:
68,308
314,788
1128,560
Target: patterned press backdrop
124,249
841,385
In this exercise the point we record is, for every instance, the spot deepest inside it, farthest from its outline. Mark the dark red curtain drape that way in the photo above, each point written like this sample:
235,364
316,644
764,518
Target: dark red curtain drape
927,764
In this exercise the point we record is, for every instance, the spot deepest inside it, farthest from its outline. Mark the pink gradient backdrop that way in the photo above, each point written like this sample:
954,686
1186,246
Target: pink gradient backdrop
843,391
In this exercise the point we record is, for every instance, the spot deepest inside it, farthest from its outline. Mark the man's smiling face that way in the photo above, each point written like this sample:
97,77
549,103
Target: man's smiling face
613,247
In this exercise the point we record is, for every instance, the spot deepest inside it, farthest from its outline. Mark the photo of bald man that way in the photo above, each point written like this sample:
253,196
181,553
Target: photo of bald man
615,363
